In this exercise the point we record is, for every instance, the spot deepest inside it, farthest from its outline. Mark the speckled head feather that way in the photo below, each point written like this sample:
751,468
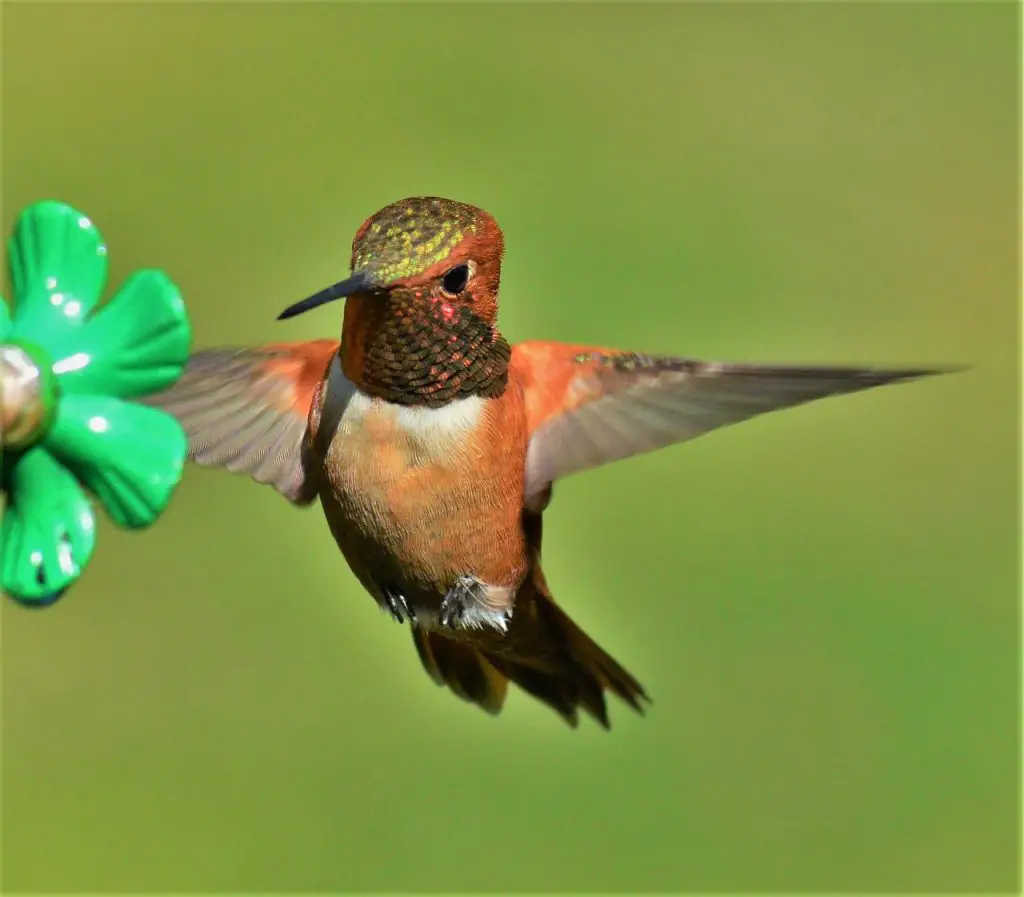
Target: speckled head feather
413,240
408,237
409,335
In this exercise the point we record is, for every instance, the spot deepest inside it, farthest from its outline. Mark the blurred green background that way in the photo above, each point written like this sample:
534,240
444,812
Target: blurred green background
822,603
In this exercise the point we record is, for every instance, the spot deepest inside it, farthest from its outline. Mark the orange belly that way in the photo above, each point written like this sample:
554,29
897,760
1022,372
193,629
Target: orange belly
417,498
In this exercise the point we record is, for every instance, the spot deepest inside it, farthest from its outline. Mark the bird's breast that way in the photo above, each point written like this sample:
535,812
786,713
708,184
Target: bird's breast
422,495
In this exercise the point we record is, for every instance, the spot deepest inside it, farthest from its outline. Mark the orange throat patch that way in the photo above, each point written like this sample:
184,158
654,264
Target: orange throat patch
421,351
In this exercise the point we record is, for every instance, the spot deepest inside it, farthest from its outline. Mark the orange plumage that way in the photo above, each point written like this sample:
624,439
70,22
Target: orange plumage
433,445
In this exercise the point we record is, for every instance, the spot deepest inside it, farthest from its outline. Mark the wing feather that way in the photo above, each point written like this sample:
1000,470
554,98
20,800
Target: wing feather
247,410
589,406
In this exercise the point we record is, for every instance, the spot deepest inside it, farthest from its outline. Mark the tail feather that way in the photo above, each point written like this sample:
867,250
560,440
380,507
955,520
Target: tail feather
564,694
545,653
597,663
462,668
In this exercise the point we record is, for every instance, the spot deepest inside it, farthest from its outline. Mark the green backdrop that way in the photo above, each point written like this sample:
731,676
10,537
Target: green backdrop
822,603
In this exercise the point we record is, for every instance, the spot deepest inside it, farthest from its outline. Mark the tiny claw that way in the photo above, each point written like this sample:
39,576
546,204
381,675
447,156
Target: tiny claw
475,604
453,606
398,606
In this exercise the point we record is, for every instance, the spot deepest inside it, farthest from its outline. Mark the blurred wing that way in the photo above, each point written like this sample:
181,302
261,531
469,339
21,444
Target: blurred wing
587,406
247,410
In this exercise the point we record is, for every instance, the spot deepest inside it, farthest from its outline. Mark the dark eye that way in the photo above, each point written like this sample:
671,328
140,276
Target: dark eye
454,282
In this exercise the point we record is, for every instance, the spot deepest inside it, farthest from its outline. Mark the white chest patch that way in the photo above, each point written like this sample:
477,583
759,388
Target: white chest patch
456,420
431,432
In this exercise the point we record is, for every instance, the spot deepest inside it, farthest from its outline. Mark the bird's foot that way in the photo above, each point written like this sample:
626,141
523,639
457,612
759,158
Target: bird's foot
473,604
398,606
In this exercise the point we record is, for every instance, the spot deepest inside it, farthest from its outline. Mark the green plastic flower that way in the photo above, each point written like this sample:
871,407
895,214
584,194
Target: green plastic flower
64,372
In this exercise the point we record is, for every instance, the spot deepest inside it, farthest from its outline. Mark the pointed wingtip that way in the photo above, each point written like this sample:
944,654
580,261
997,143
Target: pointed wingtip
947,369
921,373
869,377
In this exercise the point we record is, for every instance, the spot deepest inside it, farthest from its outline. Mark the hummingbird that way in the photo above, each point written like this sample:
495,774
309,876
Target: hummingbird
433,445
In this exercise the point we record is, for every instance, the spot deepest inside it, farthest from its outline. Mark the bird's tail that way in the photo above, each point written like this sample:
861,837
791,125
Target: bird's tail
545,653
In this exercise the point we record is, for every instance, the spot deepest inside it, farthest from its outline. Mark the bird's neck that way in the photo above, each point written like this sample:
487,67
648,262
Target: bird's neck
421,351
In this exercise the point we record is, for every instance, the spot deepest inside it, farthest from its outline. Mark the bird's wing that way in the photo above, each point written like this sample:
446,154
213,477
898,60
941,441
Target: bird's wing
587,406
247,410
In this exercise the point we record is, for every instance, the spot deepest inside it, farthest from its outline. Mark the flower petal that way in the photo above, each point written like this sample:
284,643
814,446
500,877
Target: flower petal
58,268
130,456
48,530
137,343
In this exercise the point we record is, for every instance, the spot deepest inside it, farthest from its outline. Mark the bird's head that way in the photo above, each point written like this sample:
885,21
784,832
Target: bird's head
427,249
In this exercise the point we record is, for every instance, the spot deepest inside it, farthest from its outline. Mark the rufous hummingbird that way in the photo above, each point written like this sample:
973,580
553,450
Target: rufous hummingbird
432,445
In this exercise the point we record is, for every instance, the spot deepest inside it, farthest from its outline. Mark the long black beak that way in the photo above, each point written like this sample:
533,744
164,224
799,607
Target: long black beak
360,282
